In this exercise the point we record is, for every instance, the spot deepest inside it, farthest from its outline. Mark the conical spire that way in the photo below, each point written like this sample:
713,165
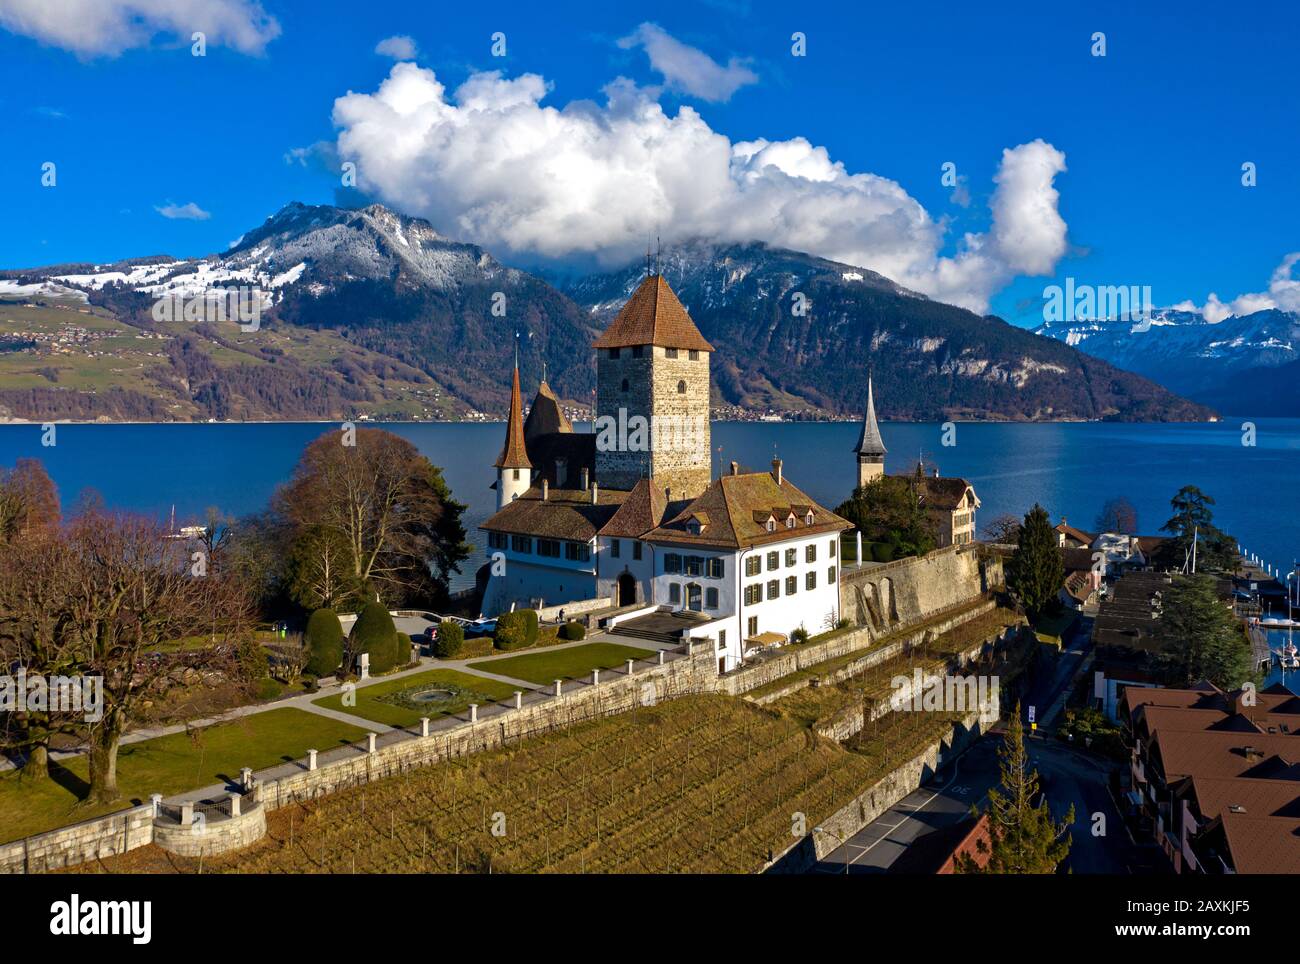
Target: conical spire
870,442
515,455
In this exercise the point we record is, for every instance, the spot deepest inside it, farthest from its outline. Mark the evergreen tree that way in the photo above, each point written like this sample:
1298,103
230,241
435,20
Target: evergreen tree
325,642
1036,571
1024,839
888,510
374,633
1204,639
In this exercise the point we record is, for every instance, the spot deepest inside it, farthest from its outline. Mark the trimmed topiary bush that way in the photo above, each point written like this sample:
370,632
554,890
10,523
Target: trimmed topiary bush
516,630
375,634
450,639
573,630
324,640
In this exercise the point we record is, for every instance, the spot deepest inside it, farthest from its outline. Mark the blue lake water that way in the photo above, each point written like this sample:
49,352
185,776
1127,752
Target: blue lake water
1071,469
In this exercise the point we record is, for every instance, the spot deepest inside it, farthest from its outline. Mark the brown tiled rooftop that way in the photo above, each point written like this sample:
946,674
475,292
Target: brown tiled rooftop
653,316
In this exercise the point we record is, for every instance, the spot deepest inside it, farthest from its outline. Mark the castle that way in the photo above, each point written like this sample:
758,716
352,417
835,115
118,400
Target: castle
631,512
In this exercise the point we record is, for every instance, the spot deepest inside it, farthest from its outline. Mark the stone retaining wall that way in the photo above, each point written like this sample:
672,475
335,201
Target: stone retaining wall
802,856
114,833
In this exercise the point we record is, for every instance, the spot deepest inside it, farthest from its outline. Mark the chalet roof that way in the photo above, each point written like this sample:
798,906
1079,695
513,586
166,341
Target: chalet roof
1263,845
1225,754
514,455
869,440
1250,797
564,514
737,508
1078,535
546,415
653,316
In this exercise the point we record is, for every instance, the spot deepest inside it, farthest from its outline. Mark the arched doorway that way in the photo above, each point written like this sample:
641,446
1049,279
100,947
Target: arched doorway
626,589
693,601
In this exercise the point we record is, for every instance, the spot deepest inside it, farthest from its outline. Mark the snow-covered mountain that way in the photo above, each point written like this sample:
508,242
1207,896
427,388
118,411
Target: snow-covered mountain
1188,354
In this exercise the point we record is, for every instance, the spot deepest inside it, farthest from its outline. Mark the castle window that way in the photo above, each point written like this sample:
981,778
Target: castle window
672,562
774,589
808,519
624,386
810,580
613,353
810,553
681,388
835,545
675,593
670,352
496,540
636,351
753,565
549,548
790,557
614,548
715,568
636,550
773,561
752,626
694,565
830,575
516,472
789,522
791,585
577,551
694,355
771,525
521,543
710,599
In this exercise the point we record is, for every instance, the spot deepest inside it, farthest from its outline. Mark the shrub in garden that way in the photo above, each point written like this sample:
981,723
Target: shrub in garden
573,630
375,634
450,639
516,630
799,636
324,643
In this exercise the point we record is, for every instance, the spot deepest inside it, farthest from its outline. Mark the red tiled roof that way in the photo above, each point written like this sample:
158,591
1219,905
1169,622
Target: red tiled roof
653,316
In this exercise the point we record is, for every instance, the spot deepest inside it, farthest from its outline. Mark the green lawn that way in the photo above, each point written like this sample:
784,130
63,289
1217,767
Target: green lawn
543,668
389,702
168,765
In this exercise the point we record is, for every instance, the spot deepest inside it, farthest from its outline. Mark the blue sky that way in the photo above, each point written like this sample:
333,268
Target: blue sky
1153,135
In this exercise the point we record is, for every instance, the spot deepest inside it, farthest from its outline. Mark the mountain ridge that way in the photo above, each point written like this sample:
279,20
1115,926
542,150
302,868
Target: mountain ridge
368,312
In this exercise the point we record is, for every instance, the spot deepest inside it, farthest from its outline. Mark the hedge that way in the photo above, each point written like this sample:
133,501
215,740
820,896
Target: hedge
573,630
375,634
325,642
516,630
450,640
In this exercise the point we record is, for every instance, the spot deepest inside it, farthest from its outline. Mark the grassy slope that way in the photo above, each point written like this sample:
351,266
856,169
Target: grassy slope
475,689
168,765
543,668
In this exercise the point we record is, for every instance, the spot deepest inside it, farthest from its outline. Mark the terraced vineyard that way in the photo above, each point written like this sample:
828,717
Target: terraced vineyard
700,784
815,704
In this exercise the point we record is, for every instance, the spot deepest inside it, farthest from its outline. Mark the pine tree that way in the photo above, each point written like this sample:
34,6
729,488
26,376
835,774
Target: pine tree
1036,571
1205,641
1024,838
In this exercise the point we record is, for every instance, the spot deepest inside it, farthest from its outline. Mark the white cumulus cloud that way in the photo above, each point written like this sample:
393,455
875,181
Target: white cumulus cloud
107,27
688,69
1283,293
183,212
491,163
400,47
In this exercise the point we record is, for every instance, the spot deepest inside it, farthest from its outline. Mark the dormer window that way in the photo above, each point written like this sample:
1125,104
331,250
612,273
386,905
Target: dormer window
771,525
808,519
789,521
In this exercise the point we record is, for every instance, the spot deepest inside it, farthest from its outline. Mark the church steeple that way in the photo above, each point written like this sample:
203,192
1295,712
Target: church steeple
871,447
514,470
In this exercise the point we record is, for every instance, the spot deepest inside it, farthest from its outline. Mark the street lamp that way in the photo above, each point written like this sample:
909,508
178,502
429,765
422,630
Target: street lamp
842,842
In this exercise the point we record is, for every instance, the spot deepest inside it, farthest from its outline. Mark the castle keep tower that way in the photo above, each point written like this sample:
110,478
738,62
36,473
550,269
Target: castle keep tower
653,363
871,447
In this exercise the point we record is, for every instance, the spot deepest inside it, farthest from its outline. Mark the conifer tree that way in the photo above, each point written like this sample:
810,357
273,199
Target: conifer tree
1024,839
1036,571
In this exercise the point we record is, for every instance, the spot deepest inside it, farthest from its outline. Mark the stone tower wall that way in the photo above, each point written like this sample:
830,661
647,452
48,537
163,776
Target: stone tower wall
617,467
682,457
869,469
